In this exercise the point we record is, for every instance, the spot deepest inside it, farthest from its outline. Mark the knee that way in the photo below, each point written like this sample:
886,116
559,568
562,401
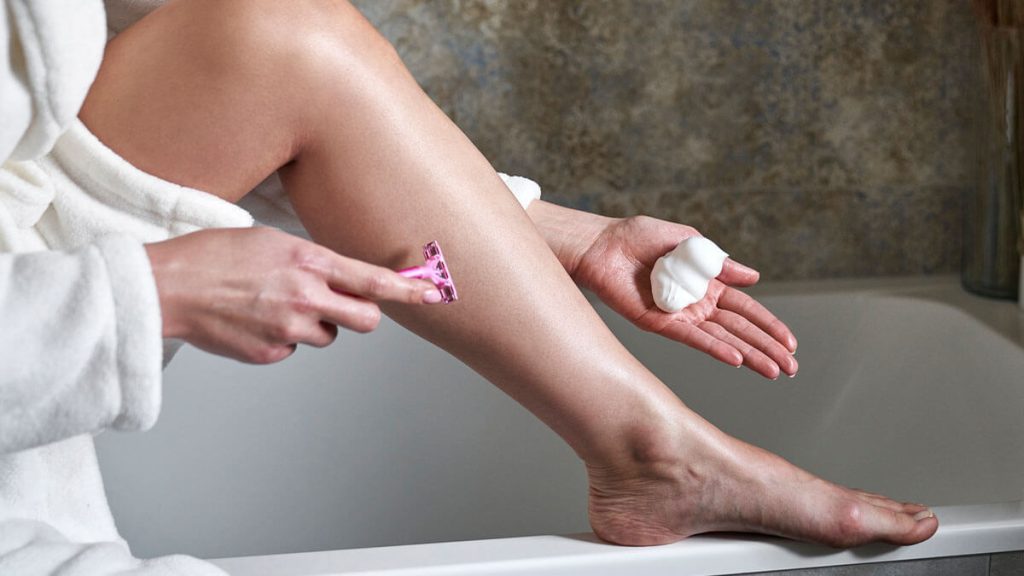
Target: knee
297,43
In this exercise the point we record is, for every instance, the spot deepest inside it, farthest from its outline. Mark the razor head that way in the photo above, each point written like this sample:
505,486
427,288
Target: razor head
438,268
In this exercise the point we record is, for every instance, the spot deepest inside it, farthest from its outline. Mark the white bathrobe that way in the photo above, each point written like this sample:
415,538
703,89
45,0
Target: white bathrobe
80,346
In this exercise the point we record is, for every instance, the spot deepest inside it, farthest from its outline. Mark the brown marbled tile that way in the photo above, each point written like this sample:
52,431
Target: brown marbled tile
898,86
878,232
817,138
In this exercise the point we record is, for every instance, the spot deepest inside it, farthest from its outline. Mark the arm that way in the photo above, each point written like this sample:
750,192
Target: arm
569,233
80,343
613,258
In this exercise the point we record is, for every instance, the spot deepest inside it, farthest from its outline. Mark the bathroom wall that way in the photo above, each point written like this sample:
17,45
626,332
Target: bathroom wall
810,138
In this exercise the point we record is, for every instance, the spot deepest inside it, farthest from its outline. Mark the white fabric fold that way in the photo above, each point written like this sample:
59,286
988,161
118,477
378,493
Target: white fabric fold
29,548
524,189
15,98
58,48
96,191
25,192
80,342
137,328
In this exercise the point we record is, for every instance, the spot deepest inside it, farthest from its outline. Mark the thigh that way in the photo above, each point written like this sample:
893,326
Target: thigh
199,93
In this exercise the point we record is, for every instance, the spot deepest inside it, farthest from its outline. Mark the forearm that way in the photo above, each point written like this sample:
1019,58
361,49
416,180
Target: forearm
568,232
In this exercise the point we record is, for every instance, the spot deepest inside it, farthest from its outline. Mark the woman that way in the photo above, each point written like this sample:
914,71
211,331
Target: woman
217,96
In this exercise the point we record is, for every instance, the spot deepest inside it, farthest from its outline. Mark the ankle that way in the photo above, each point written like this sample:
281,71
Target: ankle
674,449
655,441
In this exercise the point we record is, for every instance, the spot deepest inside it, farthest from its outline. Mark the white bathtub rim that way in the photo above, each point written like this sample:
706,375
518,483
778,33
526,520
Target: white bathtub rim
964,530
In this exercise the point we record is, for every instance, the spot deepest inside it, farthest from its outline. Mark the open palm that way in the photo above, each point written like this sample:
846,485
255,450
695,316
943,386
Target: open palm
726,324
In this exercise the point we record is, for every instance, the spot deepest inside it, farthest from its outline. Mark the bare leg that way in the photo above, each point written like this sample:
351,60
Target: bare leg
216,95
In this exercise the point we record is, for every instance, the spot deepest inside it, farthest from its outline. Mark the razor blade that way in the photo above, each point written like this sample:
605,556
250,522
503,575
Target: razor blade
435,269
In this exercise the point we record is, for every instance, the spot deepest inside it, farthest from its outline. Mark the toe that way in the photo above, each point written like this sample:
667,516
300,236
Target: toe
888,503
899,527
879,500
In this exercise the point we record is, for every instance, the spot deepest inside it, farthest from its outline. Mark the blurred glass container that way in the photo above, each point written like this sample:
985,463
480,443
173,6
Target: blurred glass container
992,210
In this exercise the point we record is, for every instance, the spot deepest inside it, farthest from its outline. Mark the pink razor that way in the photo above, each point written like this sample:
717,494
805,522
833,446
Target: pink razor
436,270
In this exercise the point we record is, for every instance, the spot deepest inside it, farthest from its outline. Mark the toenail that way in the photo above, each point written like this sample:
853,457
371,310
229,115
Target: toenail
923,515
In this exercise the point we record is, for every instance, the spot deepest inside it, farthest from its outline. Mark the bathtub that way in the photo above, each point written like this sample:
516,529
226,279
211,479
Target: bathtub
382,455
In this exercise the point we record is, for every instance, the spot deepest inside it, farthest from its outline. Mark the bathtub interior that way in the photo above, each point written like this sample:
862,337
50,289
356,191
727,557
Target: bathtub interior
383,440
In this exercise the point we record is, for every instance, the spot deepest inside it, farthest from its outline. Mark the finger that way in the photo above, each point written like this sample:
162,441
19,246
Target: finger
746,331
752,357
376,283
736,274
349,312
268,354
320,335
742,304
305,330
699,340
250,348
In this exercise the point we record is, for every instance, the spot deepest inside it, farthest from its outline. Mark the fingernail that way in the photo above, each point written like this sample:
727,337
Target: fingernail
432,296
923,514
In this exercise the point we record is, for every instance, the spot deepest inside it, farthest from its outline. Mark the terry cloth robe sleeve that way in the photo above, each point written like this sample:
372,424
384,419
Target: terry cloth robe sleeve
79,332
80,346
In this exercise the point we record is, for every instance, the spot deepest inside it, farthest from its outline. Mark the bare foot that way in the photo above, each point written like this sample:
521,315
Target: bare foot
706,481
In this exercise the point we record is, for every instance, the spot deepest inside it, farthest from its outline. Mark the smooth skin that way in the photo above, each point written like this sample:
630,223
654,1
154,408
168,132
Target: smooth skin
217,94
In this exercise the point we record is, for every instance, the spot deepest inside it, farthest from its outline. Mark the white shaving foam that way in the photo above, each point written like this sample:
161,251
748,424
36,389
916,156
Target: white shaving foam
681,277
